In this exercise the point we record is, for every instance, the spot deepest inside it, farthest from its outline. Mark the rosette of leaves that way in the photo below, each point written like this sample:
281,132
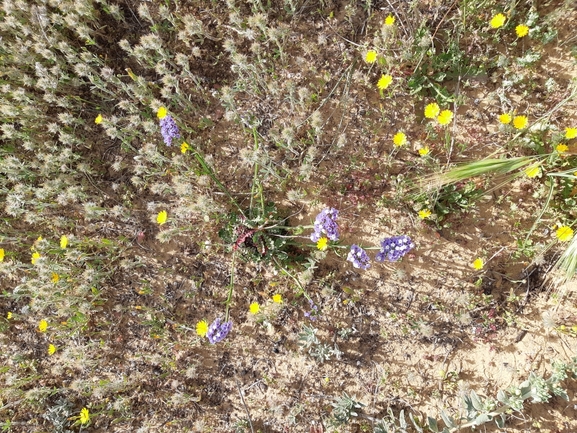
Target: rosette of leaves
258,237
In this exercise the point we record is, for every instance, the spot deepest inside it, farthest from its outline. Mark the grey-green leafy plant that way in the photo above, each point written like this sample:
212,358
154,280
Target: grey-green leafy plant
344,409
478,410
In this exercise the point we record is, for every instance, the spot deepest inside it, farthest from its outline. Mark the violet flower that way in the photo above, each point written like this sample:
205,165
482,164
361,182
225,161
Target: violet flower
168,129
325,222
359,257
217,331
393,249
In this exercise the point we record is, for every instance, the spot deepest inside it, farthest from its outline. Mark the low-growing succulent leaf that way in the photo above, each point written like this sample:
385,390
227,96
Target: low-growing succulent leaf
449,422
432,424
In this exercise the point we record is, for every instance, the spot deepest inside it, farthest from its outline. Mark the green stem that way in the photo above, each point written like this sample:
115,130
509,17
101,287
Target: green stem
230,290
208,170
295,279
255,181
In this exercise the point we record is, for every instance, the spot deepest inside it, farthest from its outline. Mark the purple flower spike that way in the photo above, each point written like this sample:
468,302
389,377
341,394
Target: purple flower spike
168,129
359,257
325,222
217,331
393,249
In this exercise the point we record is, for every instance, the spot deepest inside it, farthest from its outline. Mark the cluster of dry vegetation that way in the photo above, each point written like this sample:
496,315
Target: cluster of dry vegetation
288,215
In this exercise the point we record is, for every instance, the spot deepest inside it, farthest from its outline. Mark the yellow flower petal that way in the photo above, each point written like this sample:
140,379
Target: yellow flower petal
561,148
63,241
277,299
42,325
570,133
322,243
564,233
445,117
51,349
424,151
399,139
505,118
432,110
498,21
84,416
522,30
35,257
424,213
384,82
98,119
533,171
202,328
161,113
184,147
390,20
254,308
2,253
371,56
161,217
478,264
520,122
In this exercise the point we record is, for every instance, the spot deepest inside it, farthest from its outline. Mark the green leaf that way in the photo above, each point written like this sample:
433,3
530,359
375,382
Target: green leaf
449,422
433,424
402,420
476,401
500,421
416,423
482,419
502,396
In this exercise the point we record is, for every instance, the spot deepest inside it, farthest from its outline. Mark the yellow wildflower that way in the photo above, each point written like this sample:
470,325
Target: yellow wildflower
55,277
564,233
84,416
445,117
51,349
9,315
371,56
42,325
498,21
522,30
562,148
98,119
254,308
424,151
322,243
520,122
533,171
202,328
161,113
478,264
399,139
424,213
2,254
432,110
63,241
390,20
277,299
161,217
384,82
35,257
570,133
505,118
184,147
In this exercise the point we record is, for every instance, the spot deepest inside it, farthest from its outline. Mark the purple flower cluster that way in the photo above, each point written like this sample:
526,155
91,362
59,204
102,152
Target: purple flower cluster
168,129
312,315
325,223
393,249
359,257
217,331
